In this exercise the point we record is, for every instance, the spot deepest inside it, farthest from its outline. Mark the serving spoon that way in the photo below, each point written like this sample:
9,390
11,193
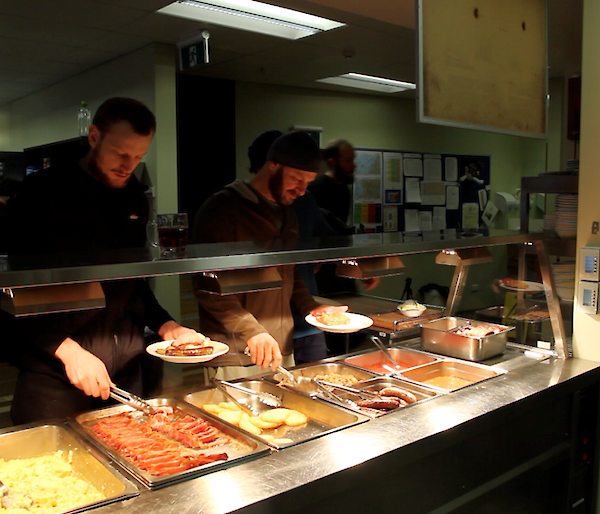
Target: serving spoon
13,499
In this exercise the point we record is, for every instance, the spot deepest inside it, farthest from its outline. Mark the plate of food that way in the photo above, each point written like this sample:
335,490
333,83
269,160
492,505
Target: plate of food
521,285
341,322
187,352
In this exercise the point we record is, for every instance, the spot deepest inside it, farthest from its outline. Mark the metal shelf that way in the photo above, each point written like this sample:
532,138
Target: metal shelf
27,271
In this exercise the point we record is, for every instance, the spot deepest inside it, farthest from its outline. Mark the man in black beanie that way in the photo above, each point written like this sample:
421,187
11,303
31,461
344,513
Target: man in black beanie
259,210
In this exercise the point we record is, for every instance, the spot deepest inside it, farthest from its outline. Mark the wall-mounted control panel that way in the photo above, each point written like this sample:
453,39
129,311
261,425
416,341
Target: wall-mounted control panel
589,280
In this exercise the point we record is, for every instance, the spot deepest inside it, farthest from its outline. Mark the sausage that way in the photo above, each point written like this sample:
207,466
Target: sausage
189,352
399,393
379,403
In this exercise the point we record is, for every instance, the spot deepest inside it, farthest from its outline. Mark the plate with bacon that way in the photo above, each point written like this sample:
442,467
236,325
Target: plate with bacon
183,352
340,322
521,285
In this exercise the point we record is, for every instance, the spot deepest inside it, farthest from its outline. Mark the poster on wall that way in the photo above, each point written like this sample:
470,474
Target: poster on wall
392,178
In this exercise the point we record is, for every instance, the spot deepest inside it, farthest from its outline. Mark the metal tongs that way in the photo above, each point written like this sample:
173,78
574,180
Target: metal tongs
132,400
385,352
331,395
267,398
357,392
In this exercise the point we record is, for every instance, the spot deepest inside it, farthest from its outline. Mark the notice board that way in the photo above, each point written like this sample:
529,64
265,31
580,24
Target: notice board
483,65
403,191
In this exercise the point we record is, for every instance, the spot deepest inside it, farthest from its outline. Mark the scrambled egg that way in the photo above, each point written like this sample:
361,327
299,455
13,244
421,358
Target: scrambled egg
49,481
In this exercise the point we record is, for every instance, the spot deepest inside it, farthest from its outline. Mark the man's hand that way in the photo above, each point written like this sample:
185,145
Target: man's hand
84,370
328,308
370,283
264,351
172,330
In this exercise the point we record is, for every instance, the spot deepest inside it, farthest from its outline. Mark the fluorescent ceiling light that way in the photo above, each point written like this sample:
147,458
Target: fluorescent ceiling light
252,16
368,82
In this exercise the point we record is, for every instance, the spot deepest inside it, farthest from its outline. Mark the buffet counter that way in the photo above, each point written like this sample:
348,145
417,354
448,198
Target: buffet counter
526,437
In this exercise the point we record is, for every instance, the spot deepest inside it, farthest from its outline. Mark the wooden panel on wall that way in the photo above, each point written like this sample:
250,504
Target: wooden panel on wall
483,65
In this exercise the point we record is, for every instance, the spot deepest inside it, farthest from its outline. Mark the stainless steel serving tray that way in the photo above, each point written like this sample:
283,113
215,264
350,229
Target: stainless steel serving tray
375,360
90,464
240,449
470,372
437,338
323,418
374,385
324,368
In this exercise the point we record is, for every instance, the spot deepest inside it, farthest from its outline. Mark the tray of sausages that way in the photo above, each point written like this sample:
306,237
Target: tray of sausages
379,396
174,443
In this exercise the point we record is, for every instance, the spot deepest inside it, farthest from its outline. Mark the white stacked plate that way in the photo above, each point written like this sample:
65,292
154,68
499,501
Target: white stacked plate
564,280
566,215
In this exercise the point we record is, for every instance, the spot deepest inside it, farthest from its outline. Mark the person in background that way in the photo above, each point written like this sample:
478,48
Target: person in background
260,211
68,361
331,189
332,192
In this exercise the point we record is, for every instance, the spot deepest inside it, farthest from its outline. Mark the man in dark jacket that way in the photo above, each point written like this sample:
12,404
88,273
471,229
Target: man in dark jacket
68,361
260,210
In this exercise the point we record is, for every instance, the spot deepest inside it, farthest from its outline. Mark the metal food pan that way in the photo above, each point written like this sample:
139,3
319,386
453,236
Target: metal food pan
374,385
325,368
90,465
472,373
323,418
239,449
437,338
376,360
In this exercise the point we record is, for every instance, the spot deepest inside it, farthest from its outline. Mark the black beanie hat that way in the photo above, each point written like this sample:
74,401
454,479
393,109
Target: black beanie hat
257,151
296,150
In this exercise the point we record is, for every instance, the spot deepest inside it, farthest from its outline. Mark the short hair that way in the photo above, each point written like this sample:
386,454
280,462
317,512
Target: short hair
118,109
332,150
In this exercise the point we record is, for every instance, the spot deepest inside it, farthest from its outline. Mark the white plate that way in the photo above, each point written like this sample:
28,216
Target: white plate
220,349
357,322
532,287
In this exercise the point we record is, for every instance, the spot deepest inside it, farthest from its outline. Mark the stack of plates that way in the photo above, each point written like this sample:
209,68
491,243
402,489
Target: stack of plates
564,280
573,165
549,222
566,215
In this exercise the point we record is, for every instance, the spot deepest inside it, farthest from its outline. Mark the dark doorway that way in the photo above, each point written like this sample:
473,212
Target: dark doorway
205,139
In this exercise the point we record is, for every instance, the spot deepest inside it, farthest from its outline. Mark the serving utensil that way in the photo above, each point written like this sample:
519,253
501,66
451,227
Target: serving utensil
246,408
132,400
10,499
267,398
331,395
385,351
358,392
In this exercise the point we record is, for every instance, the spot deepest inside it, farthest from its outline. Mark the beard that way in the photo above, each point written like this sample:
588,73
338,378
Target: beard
341,175
276,186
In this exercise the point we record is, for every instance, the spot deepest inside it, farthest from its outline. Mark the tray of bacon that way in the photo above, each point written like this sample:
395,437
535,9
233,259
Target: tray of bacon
299,418
464,338
49,468
175,443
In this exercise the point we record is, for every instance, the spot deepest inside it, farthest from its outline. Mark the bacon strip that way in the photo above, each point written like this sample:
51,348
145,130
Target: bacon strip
153,452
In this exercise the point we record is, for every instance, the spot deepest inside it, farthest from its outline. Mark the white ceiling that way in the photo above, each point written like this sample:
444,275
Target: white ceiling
45,42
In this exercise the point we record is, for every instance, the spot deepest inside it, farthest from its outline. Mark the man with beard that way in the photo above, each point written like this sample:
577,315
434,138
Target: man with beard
95,207
260,210
331,190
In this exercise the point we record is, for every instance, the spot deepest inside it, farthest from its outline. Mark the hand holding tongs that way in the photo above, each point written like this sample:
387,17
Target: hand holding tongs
132,400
